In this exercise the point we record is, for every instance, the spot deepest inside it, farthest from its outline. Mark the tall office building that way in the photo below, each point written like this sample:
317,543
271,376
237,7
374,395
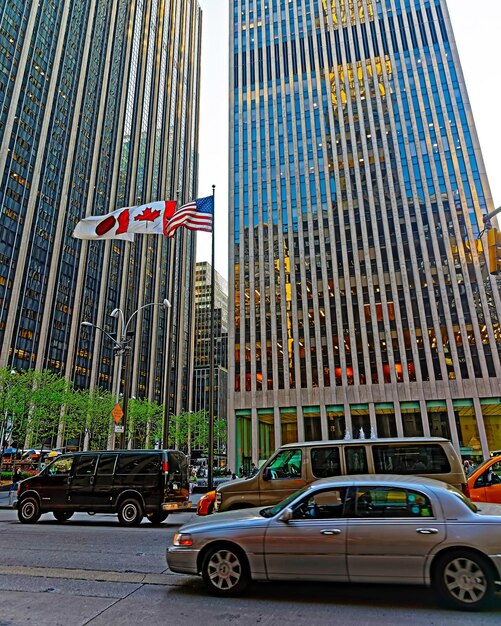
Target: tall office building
99,110
203,337
362,302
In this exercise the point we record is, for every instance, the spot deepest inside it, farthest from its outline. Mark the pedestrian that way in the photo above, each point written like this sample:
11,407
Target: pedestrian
233,477
254,469
241,471
16,477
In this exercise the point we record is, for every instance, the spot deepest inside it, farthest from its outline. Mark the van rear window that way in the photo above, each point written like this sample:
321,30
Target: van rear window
403,459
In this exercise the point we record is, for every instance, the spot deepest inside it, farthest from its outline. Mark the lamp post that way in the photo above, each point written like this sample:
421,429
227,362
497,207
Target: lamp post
122,347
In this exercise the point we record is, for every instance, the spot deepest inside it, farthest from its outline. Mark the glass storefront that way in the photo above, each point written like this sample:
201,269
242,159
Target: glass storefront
412,421
336,423
266,432
385,420
312,423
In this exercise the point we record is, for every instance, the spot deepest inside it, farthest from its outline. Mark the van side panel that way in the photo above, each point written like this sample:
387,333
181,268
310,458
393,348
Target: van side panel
432,457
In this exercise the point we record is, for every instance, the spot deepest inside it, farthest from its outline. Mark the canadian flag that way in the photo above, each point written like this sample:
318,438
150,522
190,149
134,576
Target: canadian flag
147,219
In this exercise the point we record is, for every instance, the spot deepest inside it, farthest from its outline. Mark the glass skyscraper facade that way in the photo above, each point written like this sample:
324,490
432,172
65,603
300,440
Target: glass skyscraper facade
358,285
99,110
201,355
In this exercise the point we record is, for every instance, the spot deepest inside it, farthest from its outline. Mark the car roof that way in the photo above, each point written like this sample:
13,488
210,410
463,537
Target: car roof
358,442
383,480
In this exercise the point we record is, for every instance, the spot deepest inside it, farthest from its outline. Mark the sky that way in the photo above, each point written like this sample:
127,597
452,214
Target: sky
476,25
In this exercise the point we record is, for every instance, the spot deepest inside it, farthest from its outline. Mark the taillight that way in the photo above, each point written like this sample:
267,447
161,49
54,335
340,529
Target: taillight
465,489
165,467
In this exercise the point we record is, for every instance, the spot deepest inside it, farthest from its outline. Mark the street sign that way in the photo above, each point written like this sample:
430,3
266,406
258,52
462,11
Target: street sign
117,413
119,429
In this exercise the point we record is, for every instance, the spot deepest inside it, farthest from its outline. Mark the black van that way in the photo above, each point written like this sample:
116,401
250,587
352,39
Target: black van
131,483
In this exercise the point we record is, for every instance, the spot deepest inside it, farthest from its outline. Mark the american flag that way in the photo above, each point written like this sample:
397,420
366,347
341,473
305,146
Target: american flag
196,215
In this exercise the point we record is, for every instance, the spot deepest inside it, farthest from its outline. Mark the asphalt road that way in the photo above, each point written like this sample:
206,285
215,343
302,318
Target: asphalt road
90,570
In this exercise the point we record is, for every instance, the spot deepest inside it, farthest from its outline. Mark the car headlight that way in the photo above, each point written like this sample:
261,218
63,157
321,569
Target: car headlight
183,539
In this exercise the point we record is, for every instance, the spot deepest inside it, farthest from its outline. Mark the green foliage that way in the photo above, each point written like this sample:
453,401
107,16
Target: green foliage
144,423
37,406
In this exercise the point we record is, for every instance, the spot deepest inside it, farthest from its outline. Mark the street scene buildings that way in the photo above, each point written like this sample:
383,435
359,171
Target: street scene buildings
360,302
361,299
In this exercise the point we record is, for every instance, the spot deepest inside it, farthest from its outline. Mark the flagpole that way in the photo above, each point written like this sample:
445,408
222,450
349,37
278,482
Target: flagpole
168,340
211,353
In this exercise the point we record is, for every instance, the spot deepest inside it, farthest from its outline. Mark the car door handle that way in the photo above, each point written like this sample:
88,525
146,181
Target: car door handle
427,531
331,531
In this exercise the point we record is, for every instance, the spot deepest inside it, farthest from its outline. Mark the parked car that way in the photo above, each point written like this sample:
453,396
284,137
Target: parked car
484,483
130,483
205,505
366,529
297,464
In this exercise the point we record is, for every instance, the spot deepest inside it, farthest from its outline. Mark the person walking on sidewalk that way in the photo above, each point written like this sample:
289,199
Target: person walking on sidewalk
16,477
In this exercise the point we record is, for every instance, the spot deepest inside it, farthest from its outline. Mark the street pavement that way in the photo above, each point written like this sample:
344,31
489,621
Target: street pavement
90,571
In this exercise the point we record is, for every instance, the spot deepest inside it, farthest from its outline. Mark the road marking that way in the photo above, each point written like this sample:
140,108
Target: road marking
85,574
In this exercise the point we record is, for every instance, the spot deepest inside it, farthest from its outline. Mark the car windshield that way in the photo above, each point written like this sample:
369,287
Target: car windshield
484,464
271,511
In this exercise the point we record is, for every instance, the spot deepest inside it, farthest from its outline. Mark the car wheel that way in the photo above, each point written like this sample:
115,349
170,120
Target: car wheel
62,516
464,580
130,513
28,511
157,518
225,571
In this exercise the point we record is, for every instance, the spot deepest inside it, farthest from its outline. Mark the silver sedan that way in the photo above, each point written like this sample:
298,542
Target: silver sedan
371,528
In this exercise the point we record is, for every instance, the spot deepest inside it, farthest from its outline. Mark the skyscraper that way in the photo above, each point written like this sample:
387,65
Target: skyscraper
99,109
362,302
203,336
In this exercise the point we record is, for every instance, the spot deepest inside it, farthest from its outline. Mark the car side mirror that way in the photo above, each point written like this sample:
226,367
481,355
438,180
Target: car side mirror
267,474
285,516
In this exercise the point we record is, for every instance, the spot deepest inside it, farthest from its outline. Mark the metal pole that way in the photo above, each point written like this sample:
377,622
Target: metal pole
211,352
128,362
168,364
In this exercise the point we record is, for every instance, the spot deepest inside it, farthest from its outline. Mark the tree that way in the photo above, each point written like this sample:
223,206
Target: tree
145,420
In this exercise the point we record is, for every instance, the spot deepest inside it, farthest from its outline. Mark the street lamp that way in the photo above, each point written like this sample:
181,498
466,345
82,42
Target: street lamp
122,347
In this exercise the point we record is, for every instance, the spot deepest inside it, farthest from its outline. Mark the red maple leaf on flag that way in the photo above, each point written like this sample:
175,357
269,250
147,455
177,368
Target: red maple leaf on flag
147,215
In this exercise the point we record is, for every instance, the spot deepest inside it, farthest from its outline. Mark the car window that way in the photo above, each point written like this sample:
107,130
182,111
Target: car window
138,464
287,464
325,462
491,476
106,464
356,460
85,465
60,467
374,501
328,504
407,459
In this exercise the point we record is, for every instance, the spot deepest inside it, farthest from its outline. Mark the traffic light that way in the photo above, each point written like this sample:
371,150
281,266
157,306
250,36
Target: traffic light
494,250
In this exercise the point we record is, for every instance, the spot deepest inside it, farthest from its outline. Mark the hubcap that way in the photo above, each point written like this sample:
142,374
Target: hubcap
28,509
130,512
465,580
224,569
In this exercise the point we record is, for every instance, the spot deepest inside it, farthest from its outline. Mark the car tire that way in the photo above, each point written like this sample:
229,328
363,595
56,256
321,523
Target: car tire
157,518
62,516
225,571
28,510
464,580
130,512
